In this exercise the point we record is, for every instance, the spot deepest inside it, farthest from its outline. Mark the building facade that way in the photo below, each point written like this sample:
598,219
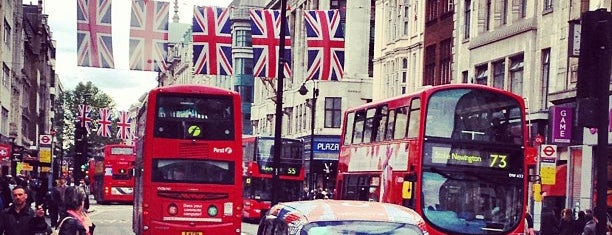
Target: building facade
30,90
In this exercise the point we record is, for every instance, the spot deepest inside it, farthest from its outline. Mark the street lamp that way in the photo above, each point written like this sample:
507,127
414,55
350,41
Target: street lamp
80,138
13,157
313,107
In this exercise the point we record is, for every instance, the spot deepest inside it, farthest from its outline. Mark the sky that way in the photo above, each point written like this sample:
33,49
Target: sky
124,86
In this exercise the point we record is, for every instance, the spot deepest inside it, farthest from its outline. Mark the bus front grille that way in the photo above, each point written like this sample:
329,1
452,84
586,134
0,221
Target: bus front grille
193,149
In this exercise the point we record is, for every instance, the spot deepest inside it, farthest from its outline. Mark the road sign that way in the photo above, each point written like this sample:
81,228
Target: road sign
44,139
548,151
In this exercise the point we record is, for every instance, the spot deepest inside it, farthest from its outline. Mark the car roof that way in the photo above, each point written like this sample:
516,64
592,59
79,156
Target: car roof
304,212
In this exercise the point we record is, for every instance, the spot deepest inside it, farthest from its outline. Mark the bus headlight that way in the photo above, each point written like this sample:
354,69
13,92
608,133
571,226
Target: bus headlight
213,211
172,209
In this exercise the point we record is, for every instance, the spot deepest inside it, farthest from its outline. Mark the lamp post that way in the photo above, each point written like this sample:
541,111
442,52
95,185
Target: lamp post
313,107
80,137
13,157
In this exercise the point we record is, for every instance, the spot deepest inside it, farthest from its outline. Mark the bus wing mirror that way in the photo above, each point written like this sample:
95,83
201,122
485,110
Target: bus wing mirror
407,190
411,177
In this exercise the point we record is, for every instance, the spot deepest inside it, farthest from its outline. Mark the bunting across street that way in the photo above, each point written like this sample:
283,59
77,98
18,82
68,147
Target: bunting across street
212,41
94,34
325,42
123,125
265,29
149,35
85,117
104,123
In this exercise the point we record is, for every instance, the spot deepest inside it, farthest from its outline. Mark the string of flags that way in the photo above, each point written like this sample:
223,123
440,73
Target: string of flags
212,39
105,122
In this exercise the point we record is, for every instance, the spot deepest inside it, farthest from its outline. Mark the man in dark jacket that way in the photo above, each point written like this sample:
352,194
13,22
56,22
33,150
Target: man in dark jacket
53,202
591,224
19,219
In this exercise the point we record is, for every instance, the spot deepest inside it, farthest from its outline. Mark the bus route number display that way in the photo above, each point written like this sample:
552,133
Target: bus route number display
445,155
265,169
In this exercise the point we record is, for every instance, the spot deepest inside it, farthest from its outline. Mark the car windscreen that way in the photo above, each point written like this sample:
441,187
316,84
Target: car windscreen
360,227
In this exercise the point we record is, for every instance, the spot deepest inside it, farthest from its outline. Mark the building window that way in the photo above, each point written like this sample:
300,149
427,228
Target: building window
498,74
430,65
545,76
504,12
464,77
303,117
445,61
7,32
333,112
548,5
432,10
523,8
406,18
466,19
516,75
448,7
404,70
6,75
243,38
4,121
488,16
482,74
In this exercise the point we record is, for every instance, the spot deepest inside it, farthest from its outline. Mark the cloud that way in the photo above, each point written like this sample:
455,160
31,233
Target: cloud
122,85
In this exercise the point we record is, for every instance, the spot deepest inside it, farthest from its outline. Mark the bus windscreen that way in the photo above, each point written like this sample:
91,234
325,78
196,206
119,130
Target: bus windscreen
193,171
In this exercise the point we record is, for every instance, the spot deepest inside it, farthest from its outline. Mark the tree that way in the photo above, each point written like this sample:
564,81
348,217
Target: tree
96,99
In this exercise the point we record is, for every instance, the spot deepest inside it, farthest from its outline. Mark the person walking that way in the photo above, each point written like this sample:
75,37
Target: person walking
591,224
580,223
566,224
529,219
550,223
76,221
19,219
53,200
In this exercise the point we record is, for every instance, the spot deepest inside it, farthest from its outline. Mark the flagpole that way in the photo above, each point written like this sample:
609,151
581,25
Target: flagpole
279,105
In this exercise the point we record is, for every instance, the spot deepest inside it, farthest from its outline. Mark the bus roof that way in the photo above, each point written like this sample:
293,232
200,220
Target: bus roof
193,88
428,90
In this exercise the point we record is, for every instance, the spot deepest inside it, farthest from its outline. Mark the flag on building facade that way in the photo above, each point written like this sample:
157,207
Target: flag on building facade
325,45
212,41
85,117
94,34
124,125
265,28
149,35
104,123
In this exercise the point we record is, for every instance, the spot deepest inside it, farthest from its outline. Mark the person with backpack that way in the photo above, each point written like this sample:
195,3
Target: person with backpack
76,221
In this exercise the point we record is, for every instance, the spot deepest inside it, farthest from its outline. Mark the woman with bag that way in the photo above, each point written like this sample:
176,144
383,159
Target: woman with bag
77,222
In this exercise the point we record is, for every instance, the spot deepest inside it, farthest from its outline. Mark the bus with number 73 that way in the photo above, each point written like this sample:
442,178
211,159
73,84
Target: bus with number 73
453,153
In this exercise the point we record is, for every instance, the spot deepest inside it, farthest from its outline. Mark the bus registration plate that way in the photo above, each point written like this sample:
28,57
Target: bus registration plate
191,233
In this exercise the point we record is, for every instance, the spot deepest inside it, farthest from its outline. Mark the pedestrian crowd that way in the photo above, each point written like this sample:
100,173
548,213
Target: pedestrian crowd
27,202
566,223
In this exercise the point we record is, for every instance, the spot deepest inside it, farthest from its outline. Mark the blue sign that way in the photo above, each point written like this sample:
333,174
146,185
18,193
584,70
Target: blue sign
326,146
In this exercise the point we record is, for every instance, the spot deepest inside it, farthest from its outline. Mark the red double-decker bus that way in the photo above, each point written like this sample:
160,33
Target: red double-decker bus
113,179
453,153
258,170
188,162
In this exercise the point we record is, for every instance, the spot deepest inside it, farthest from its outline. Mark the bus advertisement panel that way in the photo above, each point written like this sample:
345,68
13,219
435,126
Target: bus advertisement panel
188,162
453,153
258,170
113,179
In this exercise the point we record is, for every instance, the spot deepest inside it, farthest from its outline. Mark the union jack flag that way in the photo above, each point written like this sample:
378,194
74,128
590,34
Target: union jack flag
104,123
123,124
325,43
265,27
212,41
85,118
94,34
149,35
